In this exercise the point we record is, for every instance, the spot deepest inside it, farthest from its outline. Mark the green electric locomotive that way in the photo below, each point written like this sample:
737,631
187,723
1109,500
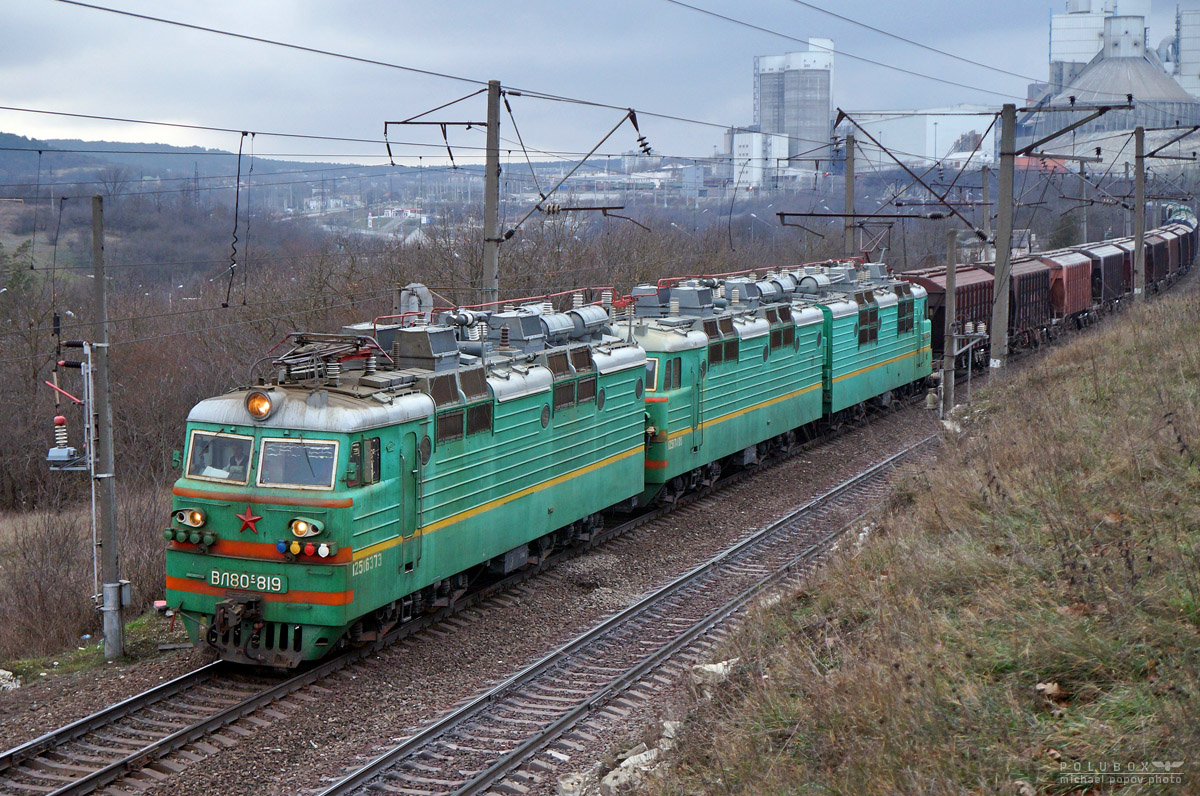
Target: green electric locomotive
374,474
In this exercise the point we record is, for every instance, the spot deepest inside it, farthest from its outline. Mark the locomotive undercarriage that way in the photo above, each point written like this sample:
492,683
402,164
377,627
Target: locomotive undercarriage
239,632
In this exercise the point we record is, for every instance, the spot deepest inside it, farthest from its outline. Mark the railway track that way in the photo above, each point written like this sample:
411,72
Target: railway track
502,739
198,714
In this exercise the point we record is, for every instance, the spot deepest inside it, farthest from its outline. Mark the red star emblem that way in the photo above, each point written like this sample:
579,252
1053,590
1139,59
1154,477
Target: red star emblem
248,519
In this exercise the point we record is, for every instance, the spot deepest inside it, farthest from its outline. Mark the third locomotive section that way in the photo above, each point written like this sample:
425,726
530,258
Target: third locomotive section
378,473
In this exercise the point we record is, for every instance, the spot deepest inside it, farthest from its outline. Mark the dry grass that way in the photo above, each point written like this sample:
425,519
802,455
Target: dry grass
46,576
1056,543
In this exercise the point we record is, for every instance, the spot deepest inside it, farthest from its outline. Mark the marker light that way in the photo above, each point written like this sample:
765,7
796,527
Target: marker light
295,548
302,527
192,518
259,405
281,546
323,551
310,549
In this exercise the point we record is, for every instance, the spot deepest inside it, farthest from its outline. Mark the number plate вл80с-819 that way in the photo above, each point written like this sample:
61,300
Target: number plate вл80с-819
275,584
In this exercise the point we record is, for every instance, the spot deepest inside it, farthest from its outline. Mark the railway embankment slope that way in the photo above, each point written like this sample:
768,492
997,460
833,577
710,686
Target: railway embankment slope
1025,617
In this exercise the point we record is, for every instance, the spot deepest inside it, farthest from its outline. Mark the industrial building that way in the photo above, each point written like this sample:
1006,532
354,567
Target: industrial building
793,95
1099,54
1122,67
1076,36
793,110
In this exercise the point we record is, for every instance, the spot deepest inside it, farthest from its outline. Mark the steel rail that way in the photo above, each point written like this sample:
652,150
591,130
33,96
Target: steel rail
108,715
470,709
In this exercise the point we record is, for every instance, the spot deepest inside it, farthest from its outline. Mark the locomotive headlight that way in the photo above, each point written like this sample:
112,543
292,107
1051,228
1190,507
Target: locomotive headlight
259,405
303,527
192,518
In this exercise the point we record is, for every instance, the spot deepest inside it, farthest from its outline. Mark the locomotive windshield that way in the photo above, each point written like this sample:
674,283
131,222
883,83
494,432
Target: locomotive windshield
219,457
302,464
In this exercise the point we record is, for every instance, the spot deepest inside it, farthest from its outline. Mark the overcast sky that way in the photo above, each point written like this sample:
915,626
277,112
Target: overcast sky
652,55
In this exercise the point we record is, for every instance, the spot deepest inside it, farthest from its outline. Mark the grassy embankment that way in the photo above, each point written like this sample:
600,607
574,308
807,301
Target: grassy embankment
1030,604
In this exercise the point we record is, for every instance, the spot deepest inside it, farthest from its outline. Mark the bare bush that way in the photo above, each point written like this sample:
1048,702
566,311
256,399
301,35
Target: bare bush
46,585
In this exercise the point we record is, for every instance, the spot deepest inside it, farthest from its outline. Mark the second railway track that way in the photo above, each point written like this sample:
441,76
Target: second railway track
502,736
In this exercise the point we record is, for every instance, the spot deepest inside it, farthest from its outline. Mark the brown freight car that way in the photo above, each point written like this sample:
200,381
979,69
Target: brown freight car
1108,271
1029,310
1157,261
1126,245
972,298
1173,251
1070,282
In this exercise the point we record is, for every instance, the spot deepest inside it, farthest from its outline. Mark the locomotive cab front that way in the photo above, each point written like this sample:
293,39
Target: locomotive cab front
263,524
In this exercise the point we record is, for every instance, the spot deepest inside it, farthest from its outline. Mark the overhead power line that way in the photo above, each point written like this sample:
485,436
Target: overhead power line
262,40
512,90
914,43
185,126
842,53
897,37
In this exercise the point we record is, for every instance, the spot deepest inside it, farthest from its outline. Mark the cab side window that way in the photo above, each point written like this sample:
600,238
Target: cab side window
364,456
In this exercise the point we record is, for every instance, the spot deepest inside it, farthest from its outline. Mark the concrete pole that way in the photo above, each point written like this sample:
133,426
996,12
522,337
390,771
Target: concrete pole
106,487
984,173
849,224
1004,230
1128,228
1139,213
948,346
491,198
1083,182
